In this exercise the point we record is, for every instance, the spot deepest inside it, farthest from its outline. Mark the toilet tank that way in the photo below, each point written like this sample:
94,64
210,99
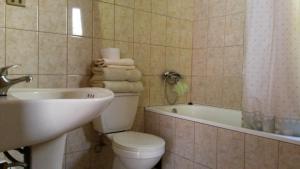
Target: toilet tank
119,115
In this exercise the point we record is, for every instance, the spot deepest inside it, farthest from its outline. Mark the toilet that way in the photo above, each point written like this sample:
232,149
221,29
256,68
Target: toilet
133,150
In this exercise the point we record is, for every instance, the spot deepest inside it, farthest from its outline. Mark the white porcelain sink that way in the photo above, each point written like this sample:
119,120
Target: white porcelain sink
33,116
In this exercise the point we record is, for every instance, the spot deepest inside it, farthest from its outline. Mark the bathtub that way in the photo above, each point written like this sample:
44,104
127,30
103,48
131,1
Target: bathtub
218,117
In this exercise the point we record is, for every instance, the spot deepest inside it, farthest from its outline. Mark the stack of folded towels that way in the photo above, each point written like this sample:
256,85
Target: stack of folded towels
118,75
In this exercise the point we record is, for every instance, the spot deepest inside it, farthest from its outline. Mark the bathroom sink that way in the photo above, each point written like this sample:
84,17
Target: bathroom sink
33,116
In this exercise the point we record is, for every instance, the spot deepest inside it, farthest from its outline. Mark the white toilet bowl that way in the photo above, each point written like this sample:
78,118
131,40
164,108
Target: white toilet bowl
134,150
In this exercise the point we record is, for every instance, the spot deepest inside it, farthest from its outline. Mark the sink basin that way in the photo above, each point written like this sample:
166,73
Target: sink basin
33,116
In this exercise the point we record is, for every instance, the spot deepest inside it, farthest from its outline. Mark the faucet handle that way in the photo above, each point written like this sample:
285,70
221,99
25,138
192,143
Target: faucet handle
3,70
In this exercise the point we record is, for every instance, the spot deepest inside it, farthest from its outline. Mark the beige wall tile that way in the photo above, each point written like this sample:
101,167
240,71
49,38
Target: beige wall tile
142,26
206,145
109,1
182,163
123,24
214,90
143,5
233,61
78,160
217,8
172,58
52,53
289,156
198,166
142,57
168,161
52,81
2,47
2,13
230,149
75,81
53,16
215,61
187,9
156,91
22,48
160,6
167,131
174,8
79,55
216,31
200,34
138,124
199,61
201,10
185,137
173,32
23,18
199,85
158,29
158,60
185,61
260,153
84,25
128,3
232,92
104,20
186,34
152,123
145,95
234,30
98,44
235,6
126,49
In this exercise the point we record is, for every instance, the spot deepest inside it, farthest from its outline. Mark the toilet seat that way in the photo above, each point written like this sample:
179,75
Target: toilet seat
137,145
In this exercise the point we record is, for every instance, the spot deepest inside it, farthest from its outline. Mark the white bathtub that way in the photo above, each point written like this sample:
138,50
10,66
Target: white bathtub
218,117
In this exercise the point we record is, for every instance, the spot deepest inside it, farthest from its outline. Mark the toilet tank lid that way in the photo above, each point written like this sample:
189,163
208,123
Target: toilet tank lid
126,94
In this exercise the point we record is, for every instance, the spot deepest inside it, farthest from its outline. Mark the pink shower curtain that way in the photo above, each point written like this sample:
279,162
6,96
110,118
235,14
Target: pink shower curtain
271,97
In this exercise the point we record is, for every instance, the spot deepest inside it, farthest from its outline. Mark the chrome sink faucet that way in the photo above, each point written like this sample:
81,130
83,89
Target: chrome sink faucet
6,83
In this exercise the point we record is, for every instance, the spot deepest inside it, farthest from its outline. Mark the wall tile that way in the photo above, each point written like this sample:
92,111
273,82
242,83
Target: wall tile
233,61
234,30
138,124
143,5
53,16
235,6
142,57
79,55
127,3
206,145
168,161
156,91
260,153
158,29
158,60
152,123
199,62
173,32
187,9
123,24
200,34
182,163
52,53
144,98
174,8
52,81
22,48
142,26
232,92
185,136
215,61
78,160
185,61
160,6
230,149
289,156
2,13
199,85
172,58
214,89
186,34
198,166
84,25
2,47
109,1
126,49
201,9
98,44
217,8
23,18
75,81
167,131
216,32
104,26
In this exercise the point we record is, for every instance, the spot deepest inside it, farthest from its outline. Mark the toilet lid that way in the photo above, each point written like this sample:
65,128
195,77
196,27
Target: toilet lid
135,141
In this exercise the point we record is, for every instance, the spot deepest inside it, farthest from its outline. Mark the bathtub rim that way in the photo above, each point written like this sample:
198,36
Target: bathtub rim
282,138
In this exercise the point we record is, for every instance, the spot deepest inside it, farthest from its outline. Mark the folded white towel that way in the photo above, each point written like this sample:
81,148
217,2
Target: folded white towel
119,62
112,74
121,67
120,86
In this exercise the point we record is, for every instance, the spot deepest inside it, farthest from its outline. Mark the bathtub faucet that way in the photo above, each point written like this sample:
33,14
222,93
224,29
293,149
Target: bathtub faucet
6,83
171,77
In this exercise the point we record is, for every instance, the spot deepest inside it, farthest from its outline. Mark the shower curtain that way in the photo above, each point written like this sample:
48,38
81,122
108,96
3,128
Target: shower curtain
271,96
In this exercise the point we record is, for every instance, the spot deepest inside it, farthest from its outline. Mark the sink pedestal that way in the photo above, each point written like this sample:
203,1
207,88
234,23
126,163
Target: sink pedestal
48,155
